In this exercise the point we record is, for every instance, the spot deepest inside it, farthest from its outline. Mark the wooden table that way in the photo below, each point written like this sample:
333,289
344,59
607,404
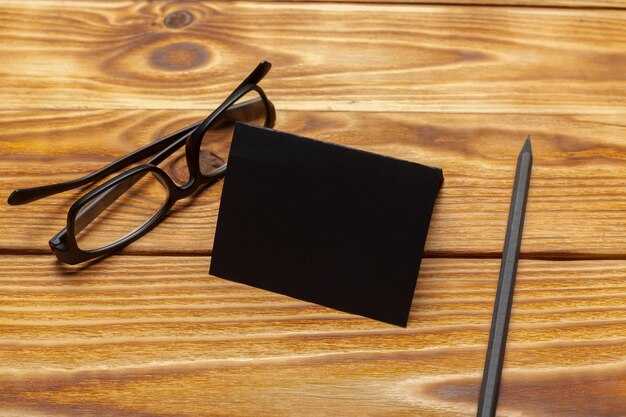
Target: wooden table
457,85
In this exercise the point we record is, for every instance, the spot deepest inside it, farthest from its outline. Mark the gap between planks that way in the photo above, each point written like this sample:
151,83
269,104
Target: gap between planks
512,4
437,255
453,3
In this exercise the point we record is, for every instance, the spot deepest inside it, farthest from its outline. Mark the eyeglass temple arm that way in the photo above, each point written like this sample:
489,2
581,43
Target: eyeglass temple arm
163,145
27,195
256,75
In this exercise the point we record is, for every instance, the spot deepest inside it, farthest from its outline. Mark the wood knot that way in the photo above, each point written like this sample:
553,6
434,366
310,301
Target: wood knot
179,56
178,19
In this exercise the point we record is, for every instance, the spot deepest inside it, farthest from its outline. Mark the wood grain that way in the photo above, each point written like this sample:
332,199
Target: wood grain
188,55
605,4
148,333
156,336
576,205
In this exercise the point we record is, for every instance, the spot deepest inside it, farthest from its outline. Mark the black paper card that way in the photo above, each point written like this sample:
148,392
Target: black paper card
324,223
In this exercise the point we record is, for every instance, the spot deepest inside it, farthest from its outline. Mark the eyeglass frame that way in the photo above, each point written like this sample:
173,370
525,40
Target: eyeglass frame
64,244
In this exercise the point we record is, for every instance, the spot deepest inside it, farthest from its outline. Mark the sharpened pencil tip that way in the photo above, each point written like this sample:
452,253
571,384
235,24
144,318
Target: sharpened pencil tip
527,146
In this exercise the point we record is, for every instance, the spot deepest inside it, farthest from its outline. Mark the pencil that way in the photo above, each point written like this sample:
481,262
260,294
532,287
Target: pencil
490,387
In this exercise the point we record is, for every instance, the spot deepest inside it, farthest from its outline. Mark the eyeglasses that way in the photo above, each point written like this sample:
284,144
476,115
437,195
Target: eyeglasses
130,204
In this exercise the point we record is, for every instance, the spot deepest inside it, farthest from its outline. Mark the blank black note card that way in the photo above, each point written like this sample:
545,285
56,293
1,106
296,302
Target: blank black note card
324,223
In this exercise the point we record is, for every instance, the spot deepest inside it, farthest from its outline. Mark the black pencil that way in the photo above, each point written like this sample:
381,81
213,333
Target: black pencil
489,390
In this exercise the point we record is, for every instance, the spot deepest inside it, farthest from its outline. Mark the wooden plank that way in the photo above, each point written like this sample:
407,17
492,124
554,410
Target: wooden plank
155,336
585,4
327,56
576,207
605,4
